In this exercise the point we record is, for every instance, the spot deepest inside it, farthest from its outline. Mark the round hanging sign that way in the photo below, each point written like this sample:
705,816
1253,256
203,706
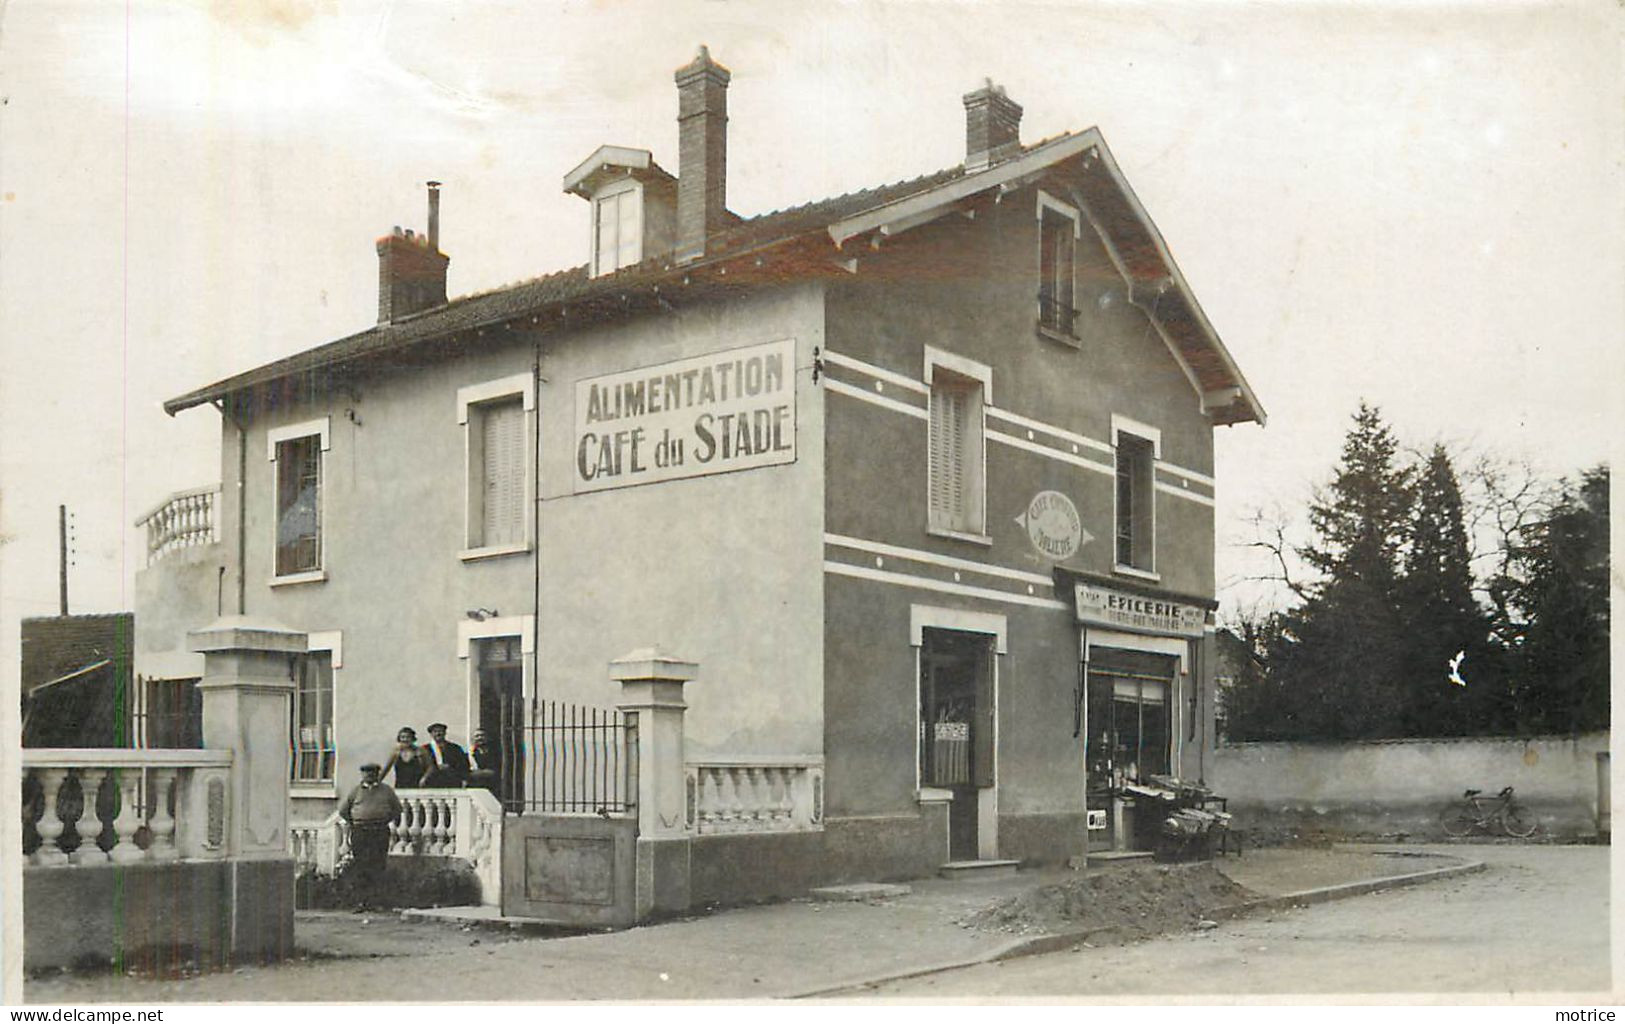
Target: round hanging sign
1053,525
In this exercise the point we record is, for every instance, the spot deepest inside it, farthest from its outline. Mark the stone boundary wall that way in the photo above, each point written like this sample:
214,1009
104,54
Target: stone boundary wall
1387,787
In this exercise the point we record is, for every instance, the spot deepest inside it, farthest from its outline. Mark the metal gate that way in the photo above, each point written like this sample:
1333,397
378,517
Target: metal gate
569,856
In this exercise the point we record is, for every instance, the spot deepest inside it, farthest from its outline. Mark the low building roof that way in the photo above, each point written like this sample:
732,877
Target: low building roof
811,239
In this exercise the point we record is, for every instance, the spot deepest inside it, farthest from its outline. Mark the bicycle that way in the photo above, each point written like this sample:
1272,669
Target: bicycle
1477,811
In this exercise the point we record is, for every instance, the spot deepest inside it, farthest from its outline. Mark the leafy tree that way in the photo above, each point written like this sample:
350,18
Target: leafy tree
1558,588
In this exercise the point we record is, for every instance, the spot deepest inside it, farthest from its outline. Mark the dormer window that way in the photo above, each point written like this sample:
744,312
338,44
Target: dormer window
618,231
634,206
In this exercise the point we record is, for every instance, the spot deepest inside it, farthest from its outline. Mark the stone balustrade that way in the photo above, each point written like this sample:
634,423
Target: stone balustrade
769,794
125,806
184,519
461,823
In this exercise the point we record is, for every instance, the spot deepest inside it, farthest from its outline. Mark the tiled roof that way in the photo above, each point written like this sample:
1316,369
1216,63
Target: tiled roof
510,301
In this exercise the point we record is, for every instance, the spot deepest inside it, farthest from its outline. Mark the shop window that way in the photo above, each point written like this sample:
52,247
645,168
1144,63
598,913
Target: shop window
299,505
956,459
1135,526
1128,723
313,746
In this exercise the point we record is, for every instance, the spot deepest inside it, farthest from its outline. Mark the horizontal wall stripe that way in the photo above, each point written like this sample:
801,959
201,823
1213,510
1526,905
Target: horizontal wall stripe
881,400
875,371
1060,432
919,582
1076,460
994,412
932,558
1180,492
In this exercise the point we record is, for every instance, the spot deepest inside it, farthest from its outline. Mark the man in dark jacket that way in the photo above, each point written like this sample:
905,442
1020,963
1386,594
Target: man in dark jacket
485,763
369,809
448,763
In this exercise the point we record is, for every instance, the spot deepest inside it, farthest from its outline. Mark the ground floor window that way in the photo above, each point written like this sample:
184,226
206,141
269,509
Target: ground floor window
313,747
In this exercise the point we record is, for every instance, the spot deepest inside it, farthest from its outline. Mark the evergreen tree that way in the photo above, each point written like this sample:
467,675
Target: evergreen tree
1449,673
1560,587
1341,655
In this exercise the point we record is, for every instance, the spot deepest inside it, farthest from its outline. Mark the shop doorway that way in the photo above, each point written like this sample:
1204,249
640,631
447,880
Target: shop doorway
502,713
1130,735
956,728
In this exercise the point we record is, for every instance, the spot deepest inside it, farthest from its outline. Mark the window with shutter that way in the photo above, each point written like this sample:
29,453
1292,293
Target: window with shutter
502,439
618,231
955,460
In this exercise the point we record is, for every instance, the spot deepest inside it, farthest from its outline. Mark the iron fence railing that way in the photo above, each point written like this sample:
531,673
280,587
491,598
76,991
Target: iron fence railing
572,759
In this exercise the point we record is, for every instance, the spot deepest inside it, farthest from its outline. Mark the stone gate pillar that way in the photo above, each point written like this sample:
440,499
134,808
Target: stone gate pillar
652,690
247,691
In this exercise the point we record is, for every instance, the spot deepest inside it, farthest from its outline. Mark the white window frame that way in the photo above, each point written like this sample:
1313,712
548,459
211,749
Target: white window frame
981,373
615,191
1047,202
1152,435
470,630
330,642
293,432
473,395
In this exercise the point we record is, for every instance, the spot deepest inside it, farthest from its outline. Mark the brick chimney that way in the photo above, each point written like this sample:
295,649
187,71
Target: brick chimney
702,153
992,126
411,268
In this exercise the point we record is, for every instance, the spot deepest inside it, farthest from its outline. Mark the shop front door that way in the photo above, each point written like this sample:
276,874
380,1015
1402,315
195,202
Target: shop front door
956,723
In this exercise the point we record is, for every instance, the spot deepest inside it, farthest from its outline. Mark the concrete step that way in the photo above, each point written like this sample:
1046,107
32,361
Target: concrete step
1118,858
858,892
978,869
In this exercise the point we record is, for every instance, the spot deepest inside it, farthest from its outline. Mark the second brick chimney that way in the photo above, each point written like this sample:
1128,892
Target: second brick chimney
702,153
992,126
411,268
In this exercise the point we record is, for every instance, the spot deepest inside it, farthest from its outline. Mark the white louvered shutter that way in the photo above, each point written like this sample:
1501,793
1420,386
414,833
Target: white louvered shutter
950,430
503,445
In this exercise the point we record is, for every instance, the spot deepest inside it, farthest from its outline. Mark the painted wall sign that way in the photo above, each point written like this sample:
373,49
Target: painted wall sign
1054,526
1106,607
694,417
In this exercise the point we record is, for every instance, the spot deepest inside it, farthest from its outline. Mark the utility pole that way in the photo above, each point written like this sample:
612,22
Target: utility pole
62,553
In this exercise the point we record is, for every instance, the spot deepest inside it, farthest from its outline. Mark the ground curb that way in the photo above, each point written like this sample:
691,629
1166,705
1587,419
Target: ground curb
1055,942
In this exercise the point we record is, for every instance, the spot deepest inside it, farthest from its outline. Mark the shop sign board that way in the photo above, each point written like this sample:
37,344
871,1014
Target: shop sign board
1104,606
1054,526
693,417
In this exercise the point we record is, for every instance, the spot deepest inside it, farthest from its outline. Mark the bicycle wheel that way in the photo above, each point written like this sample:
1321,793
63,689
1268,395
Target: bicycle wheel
1517,824
1457,822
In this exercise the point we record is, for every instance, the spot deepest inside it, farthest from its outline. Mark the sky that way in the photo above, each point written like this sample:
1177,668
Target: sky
1417,204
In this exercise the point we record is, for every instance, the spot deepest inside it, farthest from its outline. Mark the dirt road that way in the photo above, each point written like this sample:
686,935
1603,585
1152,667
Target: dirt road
1536,921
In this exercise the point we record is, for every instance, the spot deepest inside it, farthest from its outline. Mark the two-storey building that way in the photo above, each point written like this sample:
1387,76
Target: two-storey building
920,476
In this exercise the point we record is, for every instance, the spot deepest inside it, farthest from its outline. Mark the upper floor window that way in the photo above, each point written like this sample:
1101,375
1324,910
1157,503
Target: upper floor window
956,464
313,746
1135,515
297,453
617,230
497,430
1057,258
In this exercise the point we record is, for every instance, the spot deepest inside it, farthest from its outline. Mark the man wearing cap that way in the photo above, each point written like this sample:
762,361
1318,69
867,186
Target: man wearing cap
448,763
369,809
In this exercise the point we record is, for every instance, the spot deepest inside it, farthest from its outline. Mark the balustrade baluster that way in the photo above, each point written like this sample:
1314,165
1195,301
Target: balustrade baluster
160,821
760,795
446,834
710,798
736,806
49,825
784,810
125,824
414,831
89,825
